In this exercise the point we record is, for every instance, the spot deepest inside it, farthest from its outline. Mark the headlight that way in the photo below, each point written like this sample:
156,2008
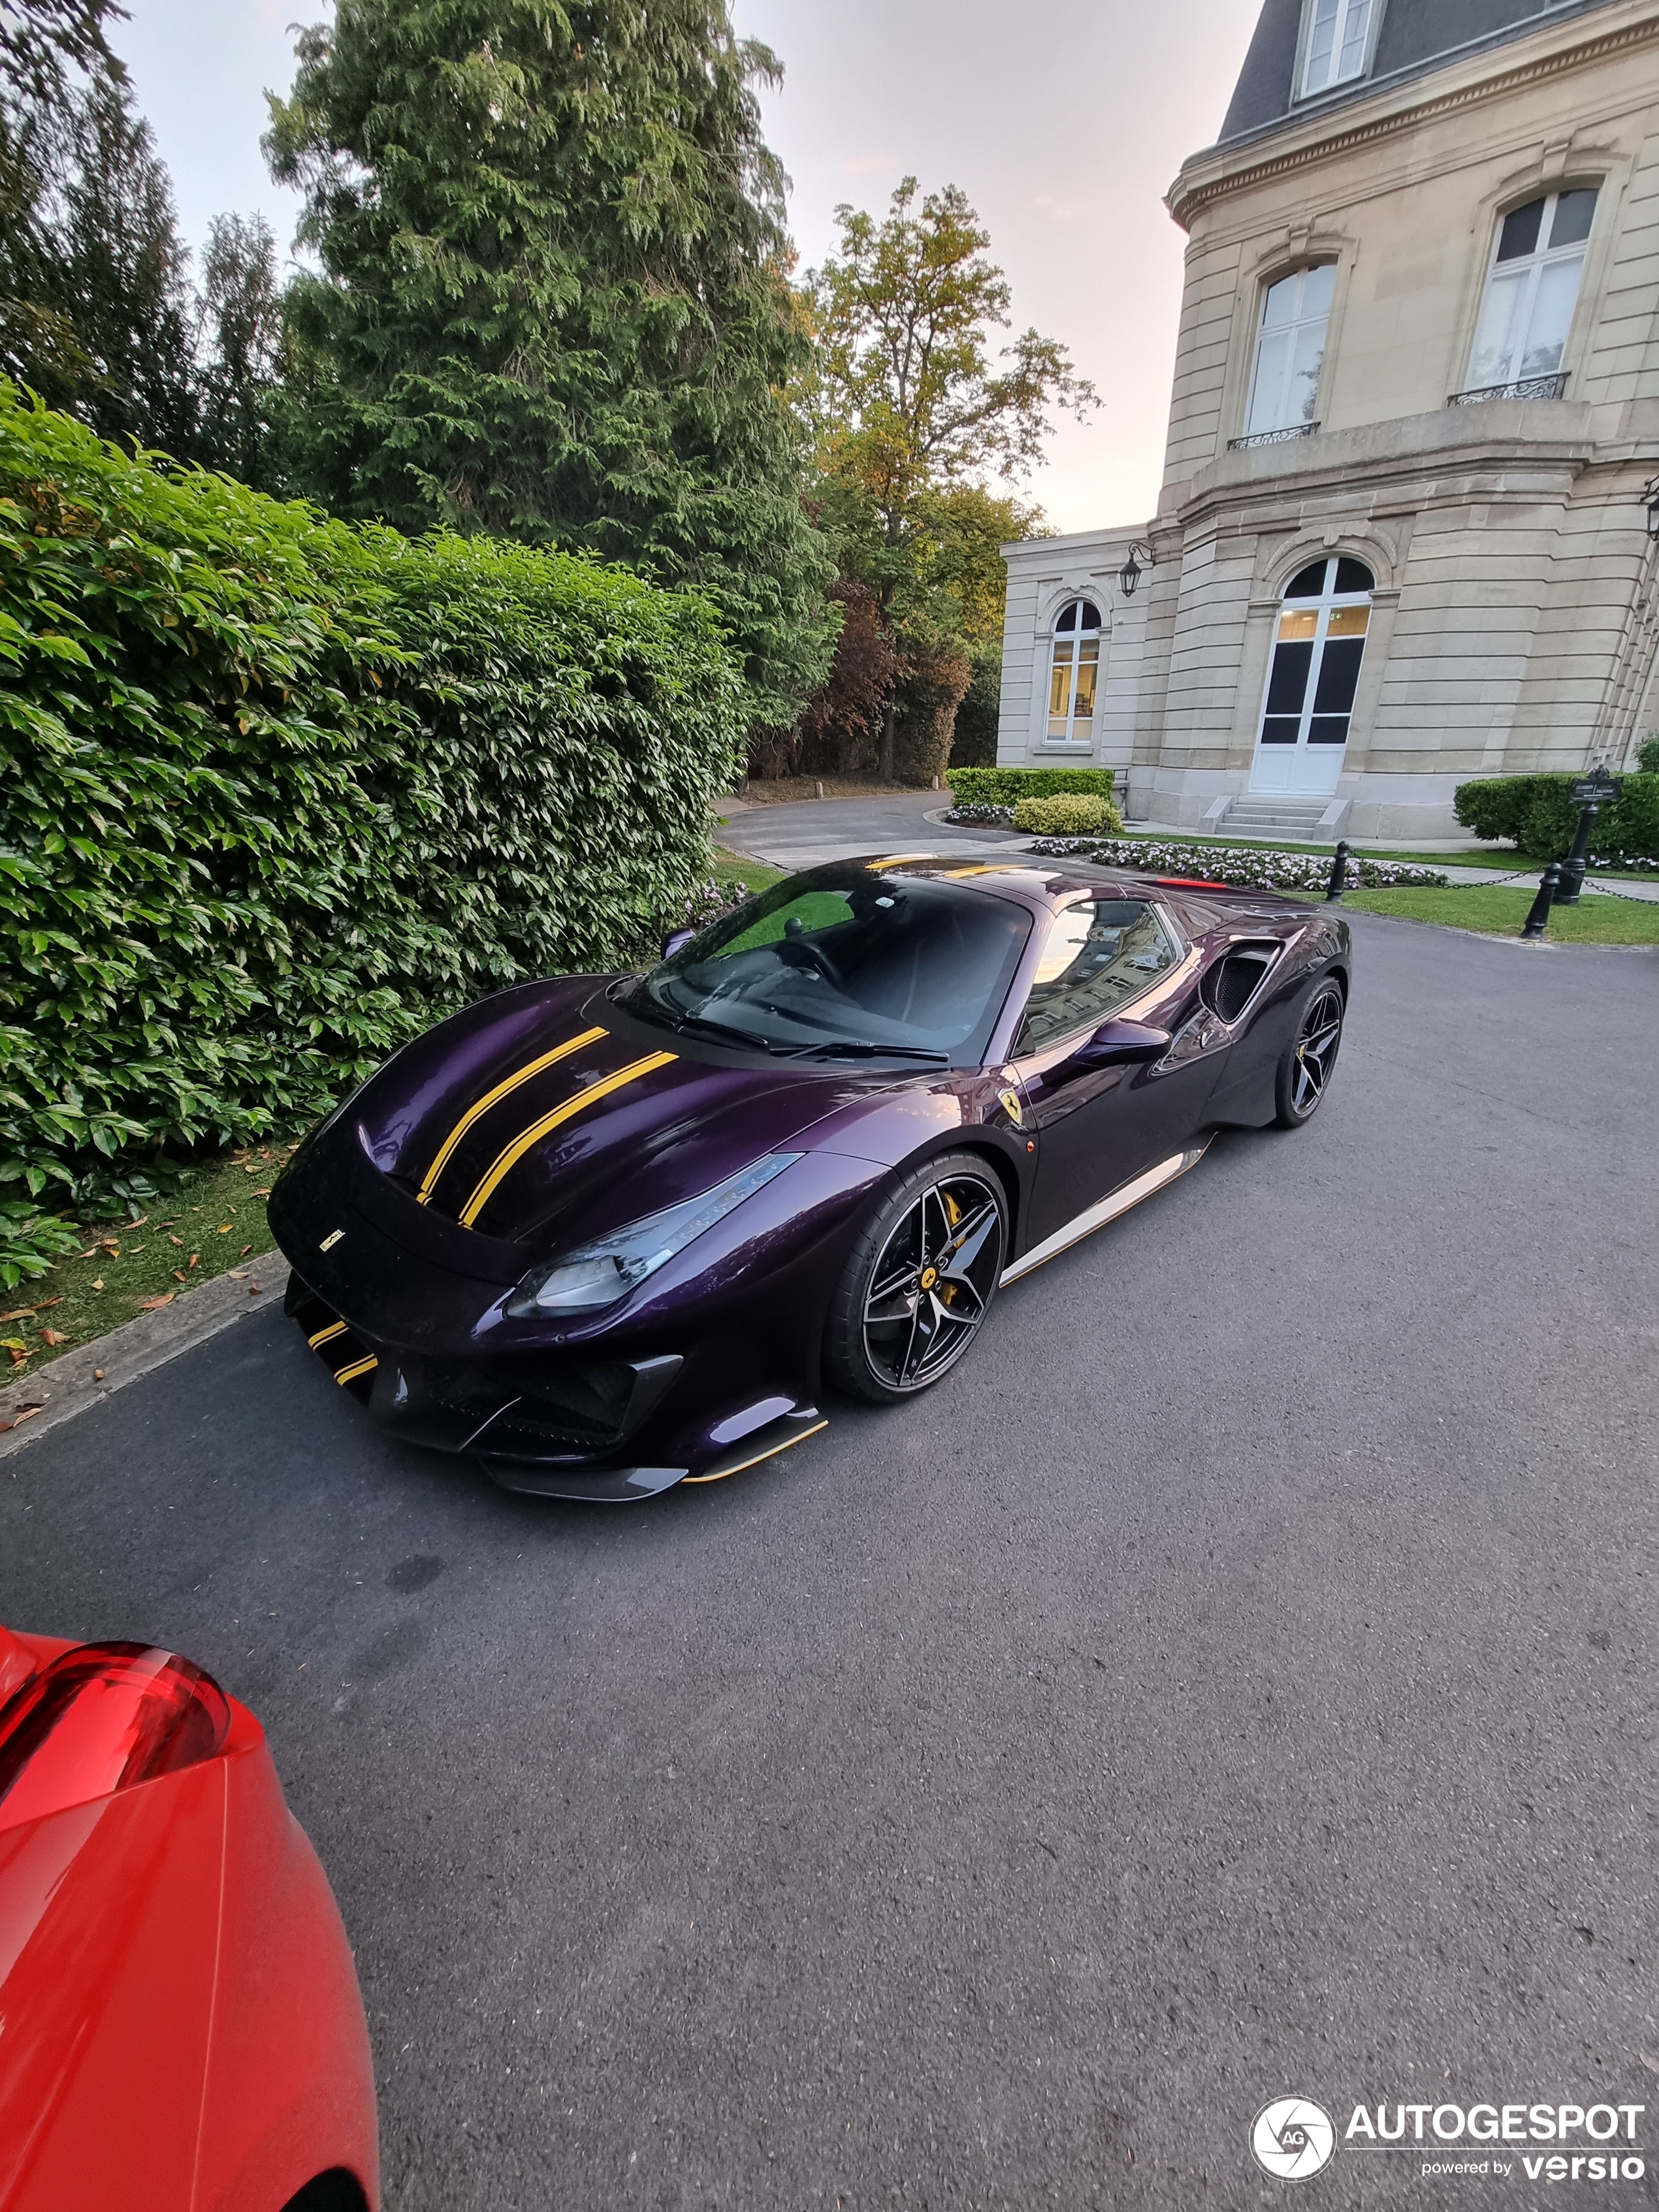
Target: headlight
600,1273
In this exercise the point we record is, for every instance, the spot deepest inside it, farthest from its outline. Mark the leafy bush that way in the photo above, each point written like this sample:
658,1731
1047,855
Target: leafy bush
1069,814
1647,754
1248,866
932,677
1006,786
1538,813
275,792
974,742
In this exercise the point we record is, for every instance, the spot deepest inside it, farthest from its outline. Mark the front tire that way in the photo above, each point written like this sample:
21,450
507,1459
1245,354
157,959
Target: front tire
1309,1059
919,1282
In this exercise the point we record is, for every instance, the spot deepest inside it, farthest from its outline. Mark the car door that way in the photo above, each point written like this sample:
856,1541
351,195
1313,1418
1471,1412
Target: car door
1097,1127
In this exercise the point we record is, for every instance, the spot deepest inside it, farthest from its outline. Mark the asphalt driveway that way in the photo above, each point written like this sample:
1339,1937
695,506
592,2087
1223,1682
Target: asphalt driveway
1238,1679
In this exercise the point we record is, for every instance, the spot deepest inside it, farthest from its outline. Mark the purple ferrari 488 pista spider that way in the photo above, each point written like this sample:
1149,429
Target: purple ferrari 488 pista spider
610,1233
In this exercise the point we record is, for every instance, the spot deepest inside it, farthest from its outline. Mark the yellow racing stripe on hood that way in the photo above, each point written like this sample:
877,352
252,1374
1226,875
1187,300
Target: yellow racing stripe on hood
532,1136
446,1151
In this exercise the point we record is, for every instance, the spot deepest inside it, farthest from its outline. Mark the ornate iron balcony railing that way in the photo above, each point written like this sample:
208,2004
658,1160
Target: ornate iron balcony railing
1522,387
1272,437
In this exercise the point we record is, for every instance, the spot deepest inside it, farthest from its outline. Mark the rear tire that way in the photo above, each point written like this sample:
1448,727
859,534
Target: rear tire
1309,1059
919,1282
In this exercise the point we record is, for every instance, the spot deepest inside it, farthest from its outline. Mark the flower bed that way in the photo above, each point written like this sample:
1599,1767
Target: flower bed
1248,866
980,818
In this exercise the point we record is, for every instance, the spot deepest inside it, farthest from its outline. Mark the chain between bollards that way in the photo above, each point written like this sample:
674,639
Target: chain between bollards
1540,913
1338,882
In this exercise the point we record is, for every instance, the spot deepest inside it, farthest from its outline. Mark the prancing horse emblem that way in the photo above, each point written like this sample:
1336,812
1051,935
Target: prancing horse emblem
1011,1101
330,1239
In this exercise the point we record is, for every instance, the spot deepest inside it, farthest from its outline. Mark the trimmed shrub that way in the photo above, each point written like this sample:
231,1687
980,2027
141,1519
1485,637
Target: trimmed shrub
1538,813
276,791
1069,814
1647,754
1006,786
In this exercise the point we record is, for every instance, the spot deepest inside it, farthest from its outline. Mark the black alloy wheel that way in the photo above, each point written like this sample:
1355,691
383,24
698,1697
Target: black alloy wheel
1310,1061
920,1281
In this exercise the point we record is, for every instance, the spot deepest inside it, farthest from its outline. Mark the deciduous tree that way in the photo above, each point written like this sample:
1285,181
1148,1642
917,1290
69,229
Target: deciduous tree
910,407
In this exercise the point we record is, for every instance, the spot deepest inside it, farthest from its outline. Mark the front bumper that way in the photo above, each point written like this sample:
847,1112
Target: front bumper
717,1370
556,1427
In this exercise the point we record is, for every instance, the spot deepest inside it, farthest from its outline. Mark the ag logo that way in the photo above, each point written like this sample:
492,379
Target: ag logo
1292,2138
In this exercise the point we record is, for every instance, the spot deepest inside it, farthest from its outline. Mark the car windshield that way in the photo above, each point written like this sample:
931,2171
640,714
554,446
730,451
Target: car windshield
847,963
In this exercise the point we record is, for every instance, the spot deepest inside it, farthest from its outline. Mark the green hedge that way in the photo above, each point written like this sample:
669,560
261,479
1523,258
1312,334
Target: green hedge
275,792
1536,811
1006,786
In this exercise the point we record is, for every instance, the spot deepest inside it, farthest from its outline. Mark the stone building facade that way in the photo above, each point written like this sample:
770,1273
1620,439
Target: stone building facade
1404,533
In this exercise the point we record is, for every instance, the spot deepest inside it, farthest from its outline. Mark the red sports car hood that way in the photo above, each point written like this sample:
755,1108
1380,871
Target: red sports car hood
548,1108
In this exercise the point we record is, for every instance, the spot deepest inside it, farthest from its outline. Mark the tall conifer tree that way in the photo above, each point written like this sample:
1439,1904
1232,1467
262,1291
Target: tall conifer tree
554,300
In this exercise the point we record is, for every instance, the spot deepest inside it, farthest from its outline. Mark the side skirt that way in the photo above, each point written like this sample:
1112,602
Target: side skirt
1107,1209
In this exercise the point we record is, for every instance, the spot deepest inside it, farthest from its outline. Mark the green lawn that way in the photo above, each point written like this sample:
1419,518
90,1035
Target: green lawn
213,1223
731,868
1499,910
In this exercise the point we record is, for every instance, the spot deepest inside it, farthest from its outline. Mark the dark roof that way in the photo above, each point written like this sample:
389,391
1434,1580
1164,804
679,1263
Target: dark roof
1415,36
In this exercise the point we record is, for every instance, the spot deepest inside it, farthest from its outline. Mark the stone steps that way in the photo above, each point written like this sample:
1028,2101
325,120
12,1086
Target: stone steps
1275,816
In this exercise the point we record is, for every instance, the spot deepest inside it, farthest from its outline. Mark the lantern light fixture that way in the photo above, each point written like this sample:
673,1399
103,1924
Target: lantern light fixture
1141,558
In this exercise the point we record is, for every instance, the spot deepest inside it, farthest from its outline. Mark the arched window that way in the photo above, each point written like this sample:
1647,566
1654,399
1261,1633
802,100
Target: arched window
1532,288
1073,674
1318,645
1289,351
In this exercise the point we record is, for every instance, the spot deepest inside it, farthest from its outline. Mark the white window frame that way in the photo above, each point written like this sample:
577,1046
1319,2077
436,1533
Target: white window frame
1345,12
1298,322
1534,265
1071,742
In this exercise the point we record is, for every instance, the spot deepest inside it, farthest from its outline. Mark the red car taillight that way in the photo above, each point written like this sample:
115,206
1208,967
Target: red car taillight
104,1717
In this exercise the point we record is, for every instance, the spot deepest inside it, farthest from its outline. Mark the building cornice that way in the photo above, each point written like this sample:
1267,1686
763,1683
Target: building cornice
1214,176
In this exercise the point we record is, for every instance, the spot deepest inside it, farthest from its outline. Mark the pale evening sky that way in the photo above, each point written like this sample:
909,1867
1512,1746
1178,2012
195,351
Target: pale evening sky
1064,126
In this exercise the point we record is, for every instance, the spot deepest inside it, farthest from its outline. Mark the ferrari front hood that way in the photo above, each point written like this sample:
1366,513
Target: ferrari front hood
578,1120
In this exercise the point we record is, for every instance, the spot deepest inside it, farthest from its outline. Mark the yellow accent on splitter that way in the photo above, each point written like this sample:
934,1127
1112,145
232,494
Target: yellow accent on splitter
511,1083
532,1136
326,1336
357,1367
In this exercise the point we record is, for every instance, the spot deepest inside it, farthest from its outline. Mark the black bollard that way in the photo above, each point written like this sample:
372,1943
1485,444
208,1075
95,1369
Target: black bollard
1541,905
1338,882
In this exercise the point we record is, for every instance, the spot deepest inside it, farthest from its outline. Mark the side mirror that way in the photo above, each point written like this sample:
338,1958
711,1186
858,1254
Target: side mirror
1117,1044
672,944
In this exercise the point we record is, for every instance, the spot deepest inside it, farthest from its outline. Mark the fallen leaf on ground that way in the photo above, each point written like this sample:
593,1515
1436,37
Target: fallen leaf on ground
152,1305
25,1414
108,1244
194,1257
246,1249
224,1229
97,1374
175,1240
18,1313
19,1359
178,1275
98,1283
262,1193
53,1336
253,1289
47,1304
138,1221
